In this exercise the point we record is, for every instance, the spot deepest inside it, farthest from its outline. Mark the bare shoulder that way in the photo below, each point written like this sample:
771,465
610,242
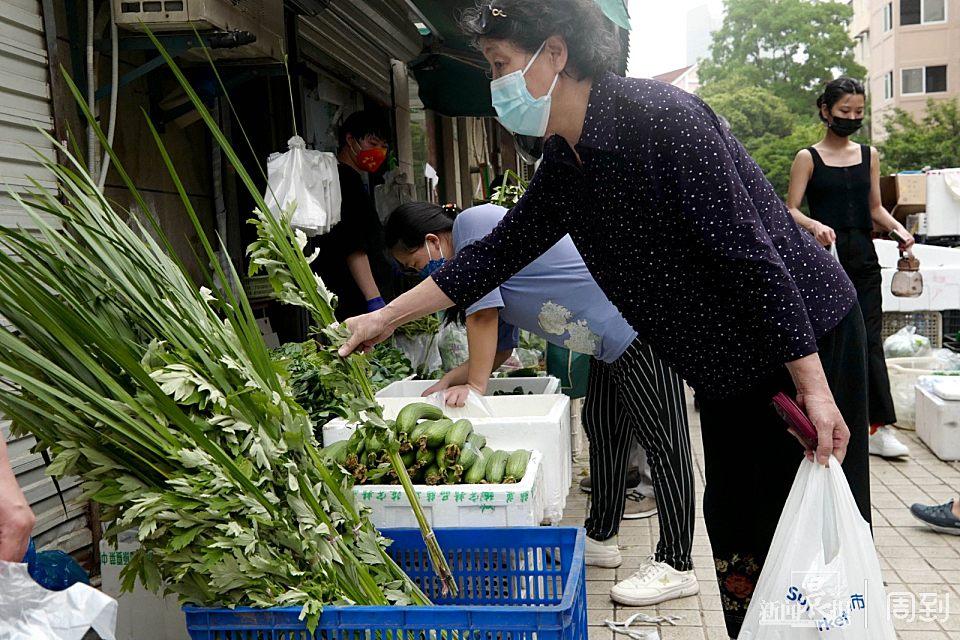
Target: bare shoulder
803,158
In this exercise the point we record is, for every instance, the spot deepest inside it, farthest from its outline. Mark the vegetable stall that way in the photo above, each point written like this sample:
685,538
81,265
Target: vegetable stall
164,399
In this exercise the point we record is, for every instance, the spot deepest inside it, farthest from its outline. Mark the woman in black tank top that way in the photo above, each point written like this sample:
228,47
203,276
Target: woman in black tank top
841,182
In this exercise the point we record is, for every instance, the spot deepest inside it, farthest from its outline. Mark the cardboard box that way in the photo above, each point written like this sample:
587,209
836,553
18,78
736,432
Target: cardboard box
904,194
141,615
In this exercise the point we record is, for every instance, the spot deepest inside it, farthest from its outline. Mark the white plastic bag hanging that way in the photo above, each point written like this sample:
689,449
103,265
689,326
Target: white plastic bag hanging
821,579
28,611
422,351
311,180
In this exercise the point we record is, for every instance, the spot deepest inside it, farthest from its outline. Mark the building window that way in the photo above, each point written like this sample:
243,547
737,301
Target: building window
936,78
923,80
888,16
922,12
888,85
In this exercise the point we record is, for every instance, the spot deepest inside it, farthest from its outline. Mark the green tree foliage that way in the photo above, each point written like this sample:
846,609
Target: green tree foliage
775,154
752,112
789,47
932,141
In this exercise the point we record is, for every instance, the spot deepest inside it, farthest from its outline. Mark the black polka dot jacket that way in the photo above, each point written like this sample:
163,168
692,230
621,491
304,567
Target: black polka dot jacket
681,230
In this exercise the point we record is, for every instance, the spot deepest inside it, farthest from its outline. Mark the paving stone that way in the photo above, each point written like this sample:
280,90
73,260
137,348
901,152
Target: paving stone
596,617
687,617
914,559
681,633
599,587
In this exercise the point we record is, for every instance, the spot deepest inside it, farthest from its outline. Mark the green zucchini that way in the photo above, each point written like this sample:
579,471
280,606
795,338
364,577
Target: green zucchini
454,474
436,433
496,466
416,436
516,465
412,413
476,472
433,475
468,455
477,440
425,457
458,433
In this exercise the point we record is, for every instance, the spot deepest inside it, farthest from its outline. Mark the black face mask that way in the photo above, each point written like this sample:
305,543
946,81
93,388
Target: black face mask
530,148
844,127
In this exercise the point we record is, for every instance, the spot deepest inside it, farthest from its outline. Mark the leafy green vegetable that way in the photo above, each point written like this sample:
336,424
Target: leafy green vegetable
427,325
163,398
315,383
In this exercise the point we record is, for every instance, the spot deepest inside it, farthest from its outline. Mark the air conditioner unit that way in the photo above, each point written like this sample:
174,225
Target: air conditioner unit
261,19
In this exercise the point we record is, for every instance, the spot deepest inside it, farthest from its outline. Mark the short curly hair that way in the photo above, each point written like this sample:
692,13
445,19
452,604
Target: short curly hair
592,44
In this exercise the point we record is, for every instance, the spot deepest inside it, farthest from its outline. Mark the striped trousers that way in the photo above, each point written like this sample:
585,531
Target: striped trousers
638,397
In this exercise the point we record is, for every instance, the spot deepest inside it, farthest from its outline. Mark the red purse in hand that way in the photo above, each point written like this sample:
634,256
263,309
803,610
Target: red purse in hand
797,421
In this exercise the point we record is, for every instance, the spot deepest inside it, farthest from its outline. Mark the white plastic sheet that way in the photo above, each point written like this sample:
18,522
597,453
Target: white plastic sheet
822,578
309,179
28,611
474,407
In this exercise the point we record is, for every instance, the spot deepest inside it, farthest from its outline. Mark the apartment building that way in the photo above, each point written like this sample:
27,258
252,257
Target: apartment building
911,49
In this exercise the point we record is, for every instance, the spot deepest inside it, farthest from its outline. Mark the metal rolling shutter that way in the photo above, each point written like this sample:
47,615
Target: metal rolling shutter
25,106
356,40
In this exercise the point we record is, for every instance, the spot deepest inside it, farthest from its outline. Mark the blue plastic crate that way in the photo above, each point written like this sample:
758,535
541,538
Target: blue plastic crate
515,584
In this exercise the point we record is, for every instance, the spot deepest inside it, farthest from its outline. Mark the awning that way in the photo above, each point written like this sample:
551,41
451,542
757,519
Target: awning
451,86
452,74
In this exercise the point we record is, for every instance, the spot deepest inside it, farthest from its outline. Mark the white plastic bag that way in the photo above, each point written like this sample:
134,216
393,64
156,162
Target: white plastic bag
422,352
454,349
947,360
821,579
311,180
28,611
906,344
474,407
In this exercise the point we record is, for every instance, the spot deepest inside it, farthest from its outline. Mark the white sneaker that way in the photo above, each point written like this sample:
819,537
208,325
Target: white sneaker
654,582
604,554
884,443
637,506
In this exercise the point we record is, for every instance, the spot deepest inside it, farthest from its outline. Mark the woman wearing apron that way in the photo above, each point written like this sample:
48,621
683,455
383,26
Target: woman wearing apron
841,182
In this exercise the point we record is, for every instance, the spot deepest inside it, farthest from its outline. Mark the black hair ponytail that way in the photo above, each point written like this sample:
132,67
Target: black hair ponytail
409,224
835,91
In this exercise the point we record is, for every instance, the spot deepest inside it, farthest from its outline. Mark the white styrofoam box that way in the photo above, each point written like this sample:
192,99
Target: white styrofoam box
940,267
943,204
929,255
938,422
414,388
903,374
540,422
142,615
461,505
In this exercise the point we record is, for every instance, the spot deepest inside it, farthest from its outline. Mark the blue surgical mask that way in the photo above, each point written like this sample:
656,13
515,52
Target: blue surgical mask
432,265
517,109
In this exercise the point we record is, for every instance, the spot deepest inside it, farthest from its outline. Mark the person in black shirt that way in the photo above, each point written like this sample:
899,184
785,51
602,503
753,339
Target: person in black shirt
841,182
352,260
